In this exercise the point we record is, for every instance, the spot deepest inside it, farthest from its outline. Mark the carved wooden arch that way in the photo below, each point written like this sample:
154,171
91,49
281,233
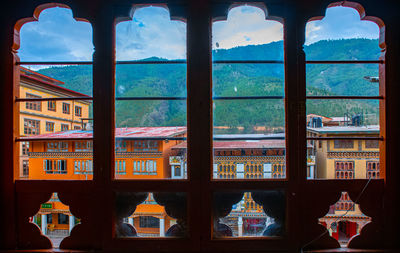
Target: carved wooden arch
220,11
125,13
35,17
363,17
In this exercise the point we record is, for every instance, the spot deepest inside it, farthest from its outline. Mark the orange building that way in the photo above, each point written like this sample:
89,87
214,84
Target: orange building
37,117
141,153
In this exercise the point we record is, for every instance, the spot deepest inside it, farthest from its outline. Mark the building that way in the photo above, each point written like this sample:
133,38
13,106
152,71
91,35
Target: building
141,153
345,159
37,117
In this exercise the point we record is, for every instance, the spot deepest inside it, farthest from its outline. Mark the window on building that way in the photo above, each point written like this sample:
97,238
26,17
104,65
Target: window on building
373,170
55,166
338,144
64,127
149,222
78,111
49,126
31,127
25,147
37,106
120,167
77,127
66,108
59,146
51,105
49,218
25,168
371,144
344,170
120,146
63,219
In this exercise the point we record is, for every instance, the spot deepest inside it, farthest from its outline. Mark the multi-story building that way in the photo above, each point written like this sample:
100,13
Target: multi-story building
343,158
141,153
37,117
243,158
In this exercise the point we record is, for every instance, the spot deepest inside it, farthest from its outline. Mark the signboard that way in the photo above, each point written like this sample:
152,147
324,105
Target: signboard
46,206
311,160
175,160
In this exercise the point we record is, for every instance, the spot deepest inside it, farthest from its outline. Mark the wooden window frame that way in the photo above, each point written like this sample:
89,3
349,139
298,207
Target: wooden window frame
36,127
78,111
35,106
52,106
50,126
301,193
66,108
64,126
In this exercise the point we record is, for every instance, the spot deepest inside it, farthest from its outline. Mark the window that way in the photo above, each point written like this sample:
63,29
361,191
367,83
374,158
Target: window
37,106
51,106
120,168
149,222
120,146
371,144
84,167
65,108
344,170
64,127
63,219
31,127
78,111
57,146
373,170
25,148
25,168
49,218
199,107
83,146
55,166
49,126
77,127
343,144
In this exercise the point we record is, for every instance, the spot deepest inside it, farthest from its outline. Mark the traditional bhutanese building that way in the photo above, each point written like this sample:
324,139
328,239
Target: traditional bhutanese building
345,159
141,153
254,158
37,117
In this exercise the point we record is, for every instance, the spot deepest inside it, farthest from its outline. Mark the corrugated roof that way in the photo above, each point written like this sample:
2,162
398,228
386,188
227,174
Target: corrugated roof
345,129
128,132
241,144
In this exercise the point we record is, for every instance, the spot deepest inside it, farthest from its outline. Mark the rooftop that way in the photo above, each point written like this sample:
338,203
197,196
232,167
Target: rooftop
122,133
373,129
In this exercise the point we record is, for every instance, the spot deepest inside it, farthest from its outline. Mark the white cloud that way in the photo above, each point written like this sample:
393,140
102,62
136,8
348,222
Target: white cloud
246,26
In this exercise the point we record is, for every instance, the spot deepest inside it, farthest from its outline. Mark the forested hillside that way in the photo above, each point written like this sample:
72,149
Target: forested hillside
240,80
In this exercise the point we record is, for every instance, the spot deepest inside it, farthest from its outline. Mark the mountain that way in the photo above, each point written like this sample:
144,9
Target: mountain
240,80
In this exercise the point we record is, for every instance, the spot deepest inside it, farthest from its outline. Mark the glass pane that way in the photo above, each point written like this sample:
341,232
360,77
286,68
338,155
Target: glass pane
342,79
58,137
145,214
147,131
249,214
248,80
342,35
343,159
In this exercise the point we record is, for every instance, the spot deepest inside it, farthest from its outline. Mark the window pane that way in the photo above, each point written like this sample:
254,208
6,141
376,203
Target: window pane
342,79
249,214
249,133
150,107
151,214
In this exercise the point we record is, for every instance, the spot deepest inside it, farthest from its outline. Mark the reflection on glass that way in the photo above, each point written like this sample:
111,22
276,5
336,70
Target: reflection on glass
342,79
55,220
344,219
151,215
249,214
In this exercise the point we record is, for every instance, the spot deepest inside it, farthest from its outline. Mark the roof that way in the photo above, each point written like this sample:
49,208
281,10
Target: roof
123,133
47,82
372,129
243,144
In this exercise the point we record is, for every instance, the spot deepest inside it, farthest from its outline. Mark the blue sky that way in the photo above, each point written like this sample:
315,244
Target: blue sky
58,37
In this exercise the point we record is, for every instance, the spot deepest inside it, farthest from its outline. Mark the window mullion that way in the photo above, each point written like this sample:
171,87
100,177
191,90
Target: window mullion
199,117
103,133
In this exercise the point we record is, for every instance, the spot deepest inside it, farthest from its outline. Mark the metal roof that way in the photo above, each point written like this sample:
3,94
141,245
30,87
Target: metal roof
374,129
123,133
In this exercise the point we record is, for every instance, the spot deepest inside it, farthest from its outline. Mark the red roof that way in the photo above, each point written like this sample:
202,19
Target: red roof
242,144
48,82
128,132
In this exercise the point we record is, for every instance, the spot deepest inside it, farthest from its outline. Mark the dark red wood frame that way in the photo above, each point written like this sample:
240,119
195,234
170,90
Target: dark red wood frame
92,201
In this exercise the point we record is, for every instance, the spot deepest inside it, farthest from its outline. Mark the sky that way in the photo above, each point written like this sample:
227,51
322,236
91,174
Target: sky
58,37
